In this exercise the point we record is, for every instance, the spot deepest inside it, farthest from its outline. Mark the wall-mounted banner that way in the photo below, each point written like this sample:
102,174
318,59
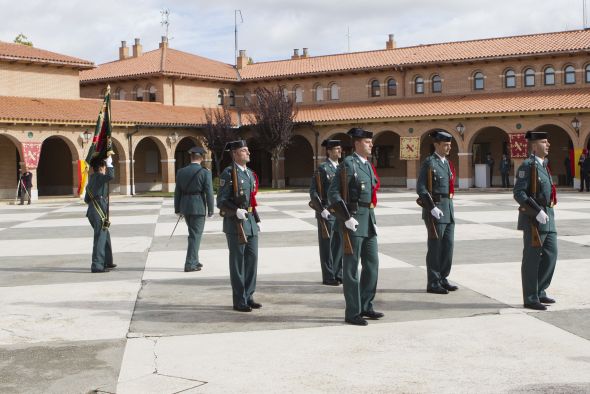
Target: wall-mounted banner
409,148
518,146
31,154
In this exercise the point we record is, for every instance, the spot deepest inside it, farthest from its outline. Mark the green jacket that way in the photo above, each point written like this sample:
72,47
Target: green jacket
193,194
98,185
441,178
360,183
327,173
246,184
521,192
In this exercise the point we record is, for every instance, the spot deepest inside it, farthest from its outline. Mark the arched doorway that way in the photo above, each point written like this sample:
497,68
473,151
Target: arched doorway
181,156
119,155
55,172
260,163
490,142
561,148
298,162
147,168
427,148
385,155
10,164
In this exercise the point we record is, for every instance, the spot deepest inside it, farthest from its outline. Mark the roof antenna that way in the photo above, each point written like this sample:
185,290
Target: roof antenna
236,12
584,15
165,22
348,37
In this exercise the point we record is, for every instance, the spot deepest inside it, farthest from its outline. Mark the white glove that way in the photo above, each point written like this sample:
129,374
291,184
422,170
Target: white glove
325,214
241,213
376,231
351,224
542,217
437,213
109,161
259,227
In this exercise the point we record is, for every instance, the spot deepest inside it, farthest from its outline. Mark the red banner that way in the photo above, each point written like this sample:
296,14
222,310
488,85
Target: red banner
518,146
31,154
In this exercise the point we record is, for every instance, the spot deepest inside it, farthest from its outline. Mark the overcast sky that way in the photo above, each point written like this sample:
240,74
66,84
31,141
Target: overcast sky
271,29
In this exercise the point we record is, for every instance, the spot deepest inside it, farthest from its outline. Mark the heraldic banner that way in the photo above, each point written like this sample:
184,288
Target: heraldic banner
31,154
409,148
518,146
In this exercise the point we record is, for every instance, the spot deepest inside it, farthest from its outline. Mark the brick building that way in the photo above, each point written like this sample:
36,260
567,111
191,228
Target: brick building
481,91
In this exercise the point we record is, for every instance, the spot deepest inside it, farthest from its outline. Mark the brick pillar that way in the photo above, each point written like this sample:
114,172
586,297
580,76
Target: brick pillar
124,177
517,163
281,173
412,167
208,161
75,178
465,170
34,190
168,175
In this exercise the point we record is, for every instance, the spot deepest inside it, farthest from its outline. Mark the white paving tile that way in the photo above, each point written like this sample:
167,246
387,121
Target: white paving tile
67,312
216,226
512,216
579,239
83,221
463,232
118,207
63,246
283,203
20,217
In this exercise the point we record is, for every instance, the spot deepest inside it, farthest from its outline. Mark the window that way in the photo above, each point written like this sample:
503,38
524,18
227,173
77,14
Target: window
587,72
569,75
285,93
138,92
391,87
419,85
478,81
151,93
334,92
375,88
115,95
549,76
319,93
247,98
436,84
529,77
103,93
510,79
220,97
232,98
298,94
122,94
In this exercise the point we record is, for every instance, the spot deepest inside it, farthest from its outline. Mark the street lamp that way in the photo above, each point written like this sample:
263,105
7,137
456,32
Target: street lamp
460,129
85,137
576,124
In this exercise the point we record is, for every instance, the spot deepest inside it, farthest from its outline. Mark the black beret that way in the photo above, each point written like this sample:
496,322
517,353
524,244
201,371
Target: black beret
197,150
439,135
356,132
329,144
235,145
535,135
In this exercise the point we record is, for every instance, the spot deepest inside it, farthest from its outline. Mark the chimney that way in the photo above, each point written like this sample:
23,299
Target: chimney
390,44
164,42
242,59
295,54
123,51
137,49
304,52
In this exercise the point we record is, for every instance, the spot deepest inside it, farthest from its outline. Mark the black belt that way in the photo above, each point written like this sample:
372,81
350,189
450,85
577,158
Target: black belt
192,194
366,204
441,195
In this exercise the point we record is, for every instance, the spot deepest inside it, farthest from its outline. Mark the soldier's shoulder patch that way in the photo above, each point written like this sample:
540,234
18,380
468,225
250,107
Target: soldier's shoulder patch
221,182
521,174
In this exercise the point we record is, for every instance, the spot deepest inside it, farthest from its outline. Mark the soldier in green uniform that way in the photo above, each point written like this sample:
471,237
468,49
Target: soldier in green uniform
352,198
237,186
435,189
96,196
193,199
330,246
537,197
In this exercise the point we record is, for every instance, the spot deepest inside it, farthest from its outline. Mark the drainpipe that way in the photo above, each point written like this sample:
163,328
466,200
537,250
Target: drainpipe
131,172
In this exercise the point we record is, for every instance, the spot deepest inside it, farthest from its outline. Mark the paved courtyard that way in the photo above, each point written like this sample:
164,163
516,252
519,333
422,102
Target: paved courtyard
149,327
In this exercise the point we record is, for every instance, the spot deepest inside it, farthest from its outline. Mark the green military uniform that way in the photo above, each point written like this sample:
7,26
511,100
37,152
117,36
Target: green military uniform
439,257
243,259
98,187
359,290
538,264
331,248
193,198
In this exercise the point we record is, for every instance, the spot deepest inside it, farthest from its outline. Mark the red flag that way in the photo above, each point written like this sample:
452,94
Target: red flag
375,188
253,202
553,197
452,181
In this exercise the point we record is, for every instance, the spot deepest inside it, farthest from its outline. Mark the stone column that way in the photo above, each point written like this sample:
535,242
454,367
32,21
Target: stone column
465,170
412,167
124,177
168,175
75,180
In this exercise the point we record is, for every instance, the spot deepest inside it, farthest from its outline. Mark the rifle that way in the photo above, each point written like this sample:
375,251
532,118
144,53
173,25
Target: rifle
344,193
536,237
239,226
429,205
316,205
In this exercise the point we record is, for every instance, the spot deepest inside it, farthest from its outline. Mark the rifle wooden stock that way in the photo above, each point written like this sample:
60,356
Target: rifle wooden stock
344,193
535,236
430,224
239,226
316,205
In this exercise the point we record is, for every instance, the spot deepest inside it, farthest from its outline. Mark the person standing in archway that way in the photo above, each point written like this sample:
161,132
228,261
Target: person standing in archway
25,183
435,188
505,170
490,162
193,199
328,236
583,176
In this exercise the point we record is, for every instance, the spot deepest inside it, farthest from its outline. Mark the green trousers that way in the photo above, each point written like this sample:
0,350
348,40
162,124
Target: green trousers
359,290
439,256
243,263
538,265
330,251
196,224
102,253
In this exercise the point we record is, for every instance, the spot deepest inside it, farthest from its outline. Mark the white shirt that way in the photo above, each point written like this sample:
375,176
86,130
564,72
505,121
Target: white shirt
243,168
334,163
363,160
441,157
541,161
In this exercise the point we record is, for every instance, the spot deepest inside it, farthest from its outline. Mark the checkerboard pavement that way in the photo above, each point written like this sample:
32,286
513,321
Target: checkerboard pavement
150,327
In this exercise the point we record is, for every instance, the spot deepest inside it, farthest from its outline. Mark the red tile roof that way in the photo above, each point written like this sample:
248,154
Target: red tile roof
560,42
446,106
23,53
85,111
162,62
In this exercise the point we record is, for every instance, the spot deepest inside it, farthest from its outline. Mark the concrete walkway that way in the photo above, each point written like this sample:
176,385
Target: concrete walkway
149,327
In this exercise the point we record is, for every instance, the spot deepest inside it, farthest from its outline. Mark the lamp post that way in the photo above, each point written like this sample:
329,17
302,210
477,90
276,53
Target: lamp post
460,129
85,137
576,124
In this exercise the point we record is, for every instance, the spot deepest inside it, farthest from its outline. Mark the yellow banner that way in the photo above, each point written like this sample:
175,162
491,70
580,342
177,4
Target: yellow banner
82,176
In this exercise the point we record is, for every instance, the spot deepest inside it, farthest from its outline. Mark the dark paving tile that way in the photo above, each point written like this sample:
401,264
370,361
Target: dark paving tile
117,230
575,321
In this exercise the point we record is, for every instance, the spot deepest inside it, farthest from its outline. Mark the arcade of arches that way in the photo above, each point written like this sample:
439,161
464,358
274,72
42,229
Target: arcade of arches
156,158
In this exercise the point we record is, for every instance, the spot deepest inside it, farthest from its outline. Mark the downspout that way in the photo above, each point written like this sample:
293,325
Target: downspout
131,172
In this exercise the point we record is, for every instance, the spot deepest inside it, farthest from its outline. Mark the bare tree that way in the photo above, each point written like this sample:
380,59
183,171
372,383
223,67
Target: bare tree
219,130
272,115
